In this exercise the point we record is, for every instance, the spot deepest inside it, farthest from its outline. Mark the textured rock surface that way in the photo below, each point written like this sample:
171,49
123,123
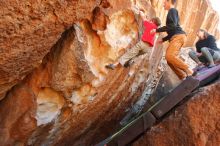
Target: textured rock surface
28,31
66,96
17,116
30,28
194,123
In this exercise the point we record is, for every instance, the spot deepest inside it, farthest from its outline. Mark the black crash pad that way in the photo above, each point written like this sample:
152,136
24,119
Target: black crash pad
175,96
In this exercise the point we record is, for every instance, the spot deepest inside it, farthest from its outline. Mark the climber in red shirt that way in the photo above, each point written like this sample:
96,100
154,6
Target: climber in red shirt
147,36
143,46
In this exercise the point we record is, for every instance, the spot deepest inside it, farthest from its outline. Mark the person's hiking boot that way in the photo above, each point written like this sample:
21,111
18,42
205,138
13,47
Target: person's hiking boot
189,72
195,73
211,66
128,63
110,66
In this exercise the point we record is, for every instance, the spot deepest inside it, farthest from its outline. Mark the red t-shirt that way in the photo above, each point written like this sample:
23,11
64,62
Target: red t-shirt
147,37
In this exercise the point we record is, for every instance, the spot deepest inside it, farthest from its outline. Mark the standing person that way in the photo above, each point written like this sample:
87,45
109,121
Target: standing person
207,52
176,37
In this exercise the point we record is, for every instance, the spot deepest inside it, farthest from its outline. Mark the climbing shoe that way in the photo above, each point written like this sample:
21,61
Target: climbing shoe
110,66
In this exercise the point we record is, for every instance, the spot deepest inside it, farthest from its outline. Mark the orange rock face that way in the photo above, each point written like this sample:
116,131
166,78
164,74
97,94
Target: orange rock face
17,116
29,29
194,123
53,54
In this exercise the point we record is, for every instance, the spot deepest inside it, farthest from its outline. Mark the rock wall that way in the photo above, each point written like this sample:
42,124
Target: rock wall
194,123
28,31
53,54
